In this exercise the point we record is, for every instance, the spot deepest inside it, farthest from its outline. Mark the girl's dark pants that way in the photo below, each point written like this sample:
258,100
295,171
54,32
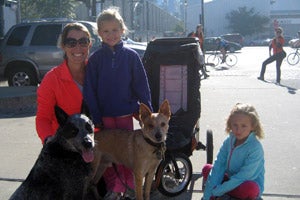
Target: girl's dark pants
279,58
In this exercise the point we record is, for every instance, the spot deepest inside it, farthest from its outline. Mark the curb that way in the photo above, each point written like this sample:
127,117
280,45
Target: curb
18,100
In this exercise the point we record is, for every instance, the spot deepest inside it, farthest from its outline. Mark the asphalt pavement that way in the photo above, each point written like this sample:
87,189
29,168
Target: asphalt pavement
277,105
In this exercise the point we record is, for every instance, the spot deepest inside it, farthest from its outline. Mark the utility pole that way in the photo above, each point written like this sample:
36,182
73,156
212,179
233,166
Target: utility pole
202,14
147,20
1,19
185,16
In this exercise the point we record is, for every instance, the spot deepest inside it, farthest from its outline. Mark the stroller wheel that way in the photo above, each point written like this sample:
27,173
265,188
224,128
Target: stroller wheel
174,175
209,147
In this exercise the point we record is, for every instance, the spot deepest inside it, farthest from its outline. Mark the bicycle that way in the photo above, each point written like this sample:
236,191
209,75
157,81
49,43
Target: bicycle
293,58
216,58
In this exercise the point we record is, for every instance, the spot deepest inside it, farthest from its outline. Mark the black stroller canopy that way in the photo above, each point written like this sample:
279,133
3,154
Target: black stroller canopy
175,62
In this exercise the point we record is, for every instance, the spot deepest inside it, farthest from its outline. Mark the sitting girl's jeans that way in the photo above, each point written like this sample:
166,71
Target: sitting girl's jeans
246,190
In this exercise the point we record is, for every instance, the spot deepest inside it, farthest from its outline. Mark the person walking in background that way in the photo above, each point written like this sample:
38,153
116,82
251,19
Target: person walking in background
278,55
62,85
115,85
238,170
199,34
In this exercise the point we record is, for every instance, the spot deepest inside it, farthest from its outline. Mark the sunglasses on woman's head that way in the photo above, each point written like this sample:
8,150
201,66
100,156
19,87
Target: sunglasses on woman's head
72,42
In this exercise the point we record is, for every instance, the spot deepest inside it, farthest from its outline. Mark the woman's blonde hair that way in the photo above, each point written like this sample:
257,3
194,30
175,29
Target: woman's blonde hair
249,110
110,14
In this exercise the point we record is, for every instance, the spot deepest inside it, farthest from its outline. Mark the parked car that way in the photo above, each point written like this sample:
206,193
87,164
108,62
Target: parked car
139,47
210,44
260,42
287,39
127,40
267,41
294,43
29,50
234,37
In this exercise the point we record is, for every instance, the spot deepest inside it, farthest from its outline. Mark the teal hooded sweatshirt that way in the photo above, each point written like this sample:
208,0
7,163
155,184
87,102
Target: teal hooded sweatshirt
242,163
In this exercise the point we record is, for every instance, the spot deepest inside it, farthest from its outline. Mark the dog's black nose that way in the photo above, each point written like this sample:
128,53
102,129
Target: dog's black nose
87,143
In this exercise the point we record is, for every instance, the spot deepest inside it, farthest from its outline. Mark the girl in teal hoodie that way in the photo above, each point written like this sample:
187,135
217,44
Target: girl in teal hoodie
238,170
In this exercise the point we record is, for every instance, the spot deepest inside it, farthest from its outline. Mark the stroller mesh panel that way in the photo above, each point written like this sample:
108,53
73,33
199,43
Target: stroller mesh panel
173,86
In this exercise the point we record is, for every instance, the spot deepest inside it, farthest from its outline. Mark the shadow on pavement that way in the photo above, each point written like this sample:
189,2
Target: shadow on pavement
291,90
19,114
282,195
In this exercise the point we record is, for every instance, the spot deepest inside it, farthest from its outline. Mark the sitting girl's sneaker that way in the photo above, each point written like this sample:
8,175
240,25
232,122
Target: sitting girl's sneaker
110,195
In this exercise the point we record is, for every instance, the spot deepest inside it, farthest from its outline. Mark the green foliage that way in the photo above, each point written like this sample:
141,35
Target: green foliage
247,21
48,9
179,28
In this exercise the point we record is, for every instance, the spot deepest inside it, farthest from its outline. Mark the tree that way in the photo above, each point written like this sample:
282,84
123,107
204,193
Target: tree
48,9
247,21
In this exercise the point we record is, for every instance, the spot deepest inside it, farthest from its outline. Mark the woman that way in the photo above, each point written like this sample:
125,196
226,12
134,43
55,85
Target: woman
278,55
62,85
199,34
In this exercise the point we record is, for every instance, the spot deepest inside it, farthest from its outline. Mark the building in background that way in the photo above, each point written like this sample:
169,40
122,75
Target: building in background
284,13
145,19
9,15
156,18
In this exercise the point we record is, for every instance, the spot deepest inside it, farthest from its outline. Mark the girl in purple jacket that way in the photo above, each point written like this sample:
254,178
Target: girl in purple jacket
115,85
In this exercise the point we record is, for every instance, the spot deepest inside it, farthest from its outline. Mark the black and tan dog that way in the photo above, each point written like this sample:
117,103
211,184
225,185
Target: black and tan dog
63,167
140,150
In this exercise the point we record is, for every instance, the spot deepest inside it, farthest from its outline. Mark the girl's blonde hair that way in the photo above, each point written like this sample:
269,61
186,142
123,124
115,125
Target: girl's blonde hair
110,14
249,110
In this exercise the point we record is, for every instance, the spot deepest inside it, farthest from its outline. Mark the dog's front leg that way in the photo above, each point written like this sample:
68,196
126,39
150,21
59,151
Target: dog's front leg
148,183
99,165
95,175
138,178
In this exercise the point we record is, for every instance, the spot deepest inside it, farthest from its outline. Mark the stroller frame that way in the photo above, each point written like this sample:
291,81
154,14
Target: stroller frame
172,66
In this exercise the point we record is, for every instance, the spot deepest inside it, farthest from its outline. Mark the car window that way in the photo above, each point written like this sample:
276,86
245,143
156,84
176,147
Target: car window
210,40
46,35
18,36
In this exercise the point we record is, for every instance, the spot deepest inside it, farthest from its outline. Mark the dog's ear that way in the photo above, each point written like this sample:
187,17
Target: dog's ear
85,109
165,108
144,111
61,115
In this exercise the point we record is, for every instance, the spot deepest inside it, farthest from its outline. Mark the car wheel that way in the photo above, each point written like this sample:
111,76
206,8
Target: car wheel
21,76
231,49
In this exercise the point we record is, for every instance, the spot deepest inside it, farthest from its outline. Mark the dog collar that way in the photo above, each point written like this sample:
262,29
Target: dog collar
160,148
158,145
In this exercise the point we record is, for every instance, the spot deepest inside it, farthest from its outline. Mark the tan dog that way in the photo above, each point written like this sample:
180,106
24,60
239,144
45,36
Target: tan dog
139,150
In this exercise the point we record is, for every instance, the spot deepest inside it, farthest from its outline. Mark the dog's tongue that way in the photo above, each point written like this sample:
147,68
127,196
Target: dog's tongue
88,155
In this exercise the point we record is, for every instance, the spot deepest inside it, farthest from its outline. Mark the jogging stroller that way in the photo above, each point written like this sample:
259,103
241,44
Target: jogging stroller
172,66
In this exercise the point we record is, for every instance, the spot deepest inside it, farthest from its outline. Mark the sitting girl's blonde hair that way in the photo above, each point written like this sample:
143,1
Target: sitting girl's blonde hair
249,110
